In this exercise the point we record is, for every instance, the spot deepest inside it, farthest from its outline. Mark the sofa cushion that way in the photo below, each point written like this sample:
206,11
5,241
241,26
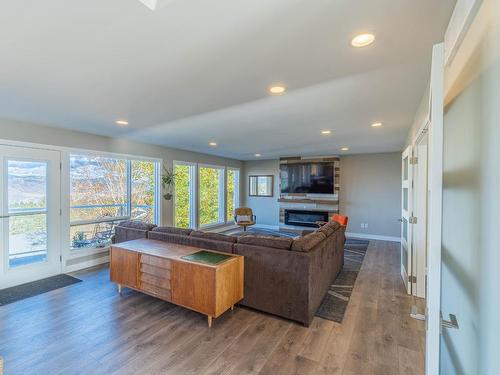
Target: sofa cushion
308,241
266,241
213,236
173,230
135,224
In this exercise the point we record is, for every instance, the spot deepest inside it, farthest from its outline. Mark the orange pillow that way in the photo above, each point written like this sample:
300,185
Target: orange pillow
341,219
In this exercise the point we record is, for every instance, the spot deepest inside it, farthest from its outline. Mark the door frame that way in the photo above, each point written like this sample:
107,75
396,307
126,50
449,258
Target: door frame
435,170
53,265
406,215
420,212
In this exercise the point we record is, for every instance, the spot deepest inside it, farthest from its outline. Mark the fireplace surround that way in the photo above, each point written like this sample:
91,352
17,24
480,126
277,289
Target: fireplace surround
304,218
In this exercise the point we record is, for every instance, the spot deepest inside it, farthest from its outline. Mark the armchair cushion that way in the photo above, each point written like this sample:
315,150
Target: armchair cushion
243,218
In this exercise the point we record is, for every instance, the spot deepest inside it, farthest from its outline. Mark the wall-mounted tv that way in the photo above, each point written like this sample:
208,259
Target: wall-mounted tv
308,178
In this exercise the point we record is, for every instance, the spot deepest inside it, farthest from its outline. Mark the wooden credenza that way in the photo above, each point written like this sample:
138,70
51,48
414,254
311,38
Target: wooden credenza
157,268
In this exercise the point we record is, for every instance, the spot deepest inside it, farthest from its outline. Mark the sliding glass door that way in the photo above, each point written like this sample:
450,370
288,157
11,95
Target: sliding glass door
29,214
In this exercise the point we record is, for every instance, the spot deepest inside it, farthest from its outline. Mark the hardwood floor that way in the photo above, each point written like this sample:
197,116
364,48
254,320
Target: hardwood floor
88,328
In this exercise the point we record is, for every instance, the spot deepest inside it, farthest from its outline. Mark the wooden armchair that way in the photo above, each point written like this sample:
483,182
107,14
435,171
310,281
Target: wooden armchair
244,217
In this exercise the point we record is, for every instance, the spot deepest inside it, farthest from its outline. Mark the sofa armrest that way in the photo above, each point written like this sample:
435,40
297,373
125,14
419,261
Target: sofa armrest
123,234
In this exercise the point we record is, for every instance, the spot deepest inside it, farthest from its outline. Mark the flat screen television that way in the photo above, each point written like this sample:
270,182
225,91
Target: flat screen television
312,178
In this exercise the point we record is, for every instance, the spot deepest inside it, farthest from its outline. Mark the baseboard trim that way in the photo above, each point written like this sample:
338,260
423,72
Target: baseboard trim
87,264
373,237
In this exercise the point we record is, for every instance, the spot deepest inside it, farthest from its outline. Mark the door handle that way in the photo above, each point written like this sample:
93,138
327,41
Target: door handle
452,323
400,220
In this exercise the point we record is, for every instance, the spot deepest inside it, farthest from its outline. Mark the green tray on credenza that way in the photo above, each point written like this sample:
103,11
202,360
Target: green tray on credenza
206,257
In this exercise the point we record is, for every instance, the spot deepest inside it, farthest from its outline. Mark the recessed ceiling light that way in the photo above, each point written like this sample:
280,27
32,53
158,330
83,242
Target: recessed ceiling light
326,132
257,155
376,125
121,122
277,89
344,149
362,40
213,144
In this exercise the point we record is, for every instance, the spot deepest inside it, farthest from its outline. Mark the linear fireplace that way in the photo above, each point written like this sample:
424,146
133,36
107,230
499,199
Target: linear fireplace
303,218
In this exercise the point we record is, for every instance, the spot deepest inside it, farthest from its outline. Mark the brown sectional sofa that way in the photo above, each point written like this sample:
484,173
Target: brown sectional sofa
283,276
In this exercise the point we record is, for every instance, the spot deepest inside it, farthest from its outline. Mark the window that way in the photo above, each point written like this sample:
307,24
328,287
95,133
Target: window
105,190
232,192
261,186
143,191
184,193
211,191
209,201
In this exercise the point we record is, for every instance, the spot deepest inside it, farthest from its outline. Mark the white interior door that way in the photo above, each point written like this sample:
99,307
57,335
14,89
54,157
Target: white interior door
435,162
406,218
420,212
30,215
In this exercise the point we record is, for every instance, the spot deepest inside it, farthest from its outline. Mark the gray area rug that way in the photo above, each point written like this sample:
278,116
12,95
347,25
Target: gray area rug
17,293
336,300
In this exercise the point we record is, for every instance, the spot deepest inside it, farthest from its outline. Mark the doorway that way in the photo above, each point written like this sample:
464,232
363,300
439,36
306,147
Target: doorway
420,212
29,214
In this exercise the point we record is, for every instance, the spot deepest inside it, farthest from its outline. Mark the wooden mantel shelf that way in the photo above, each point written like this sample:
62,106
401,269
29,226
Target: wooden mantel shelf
309,201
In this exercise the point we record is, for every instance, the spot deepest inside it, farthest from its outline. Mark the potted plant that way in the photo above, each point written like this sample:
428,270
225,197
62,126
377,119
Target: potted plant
167,182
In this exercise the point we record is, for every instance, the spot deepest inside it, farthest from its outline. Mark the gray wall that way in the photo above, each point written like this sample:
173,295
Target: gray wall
266,209
471,203
25,132
370,192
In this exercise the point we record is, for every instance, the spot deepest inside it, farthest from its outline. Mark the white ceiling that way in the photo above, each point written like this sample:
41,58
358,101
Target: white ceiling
195,71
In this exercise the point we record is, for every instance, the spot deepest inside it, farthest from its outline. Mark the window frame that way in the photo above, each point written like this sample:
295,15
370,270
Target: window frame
193,201
236,198
195,194
222,195
66,197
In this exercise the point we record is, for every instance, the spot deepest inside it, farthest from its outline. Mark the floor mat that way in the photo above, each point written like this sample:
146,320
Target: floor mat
20,292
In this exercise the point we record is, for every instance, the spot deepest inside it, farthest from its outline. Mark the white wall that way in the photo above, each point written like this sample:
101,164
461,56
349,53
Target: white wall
265,208
421,116
471,201
370,192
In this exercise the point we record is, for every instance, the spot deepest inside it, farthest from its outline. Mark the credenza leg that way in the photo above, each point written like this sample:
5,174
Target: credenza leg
120,288
232,307
209,321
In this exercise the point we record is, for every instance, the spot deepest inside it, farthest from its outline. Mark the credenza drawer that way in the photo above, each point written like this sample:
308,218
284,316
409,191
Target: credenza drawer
155,271
156,261
156,291
161,282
